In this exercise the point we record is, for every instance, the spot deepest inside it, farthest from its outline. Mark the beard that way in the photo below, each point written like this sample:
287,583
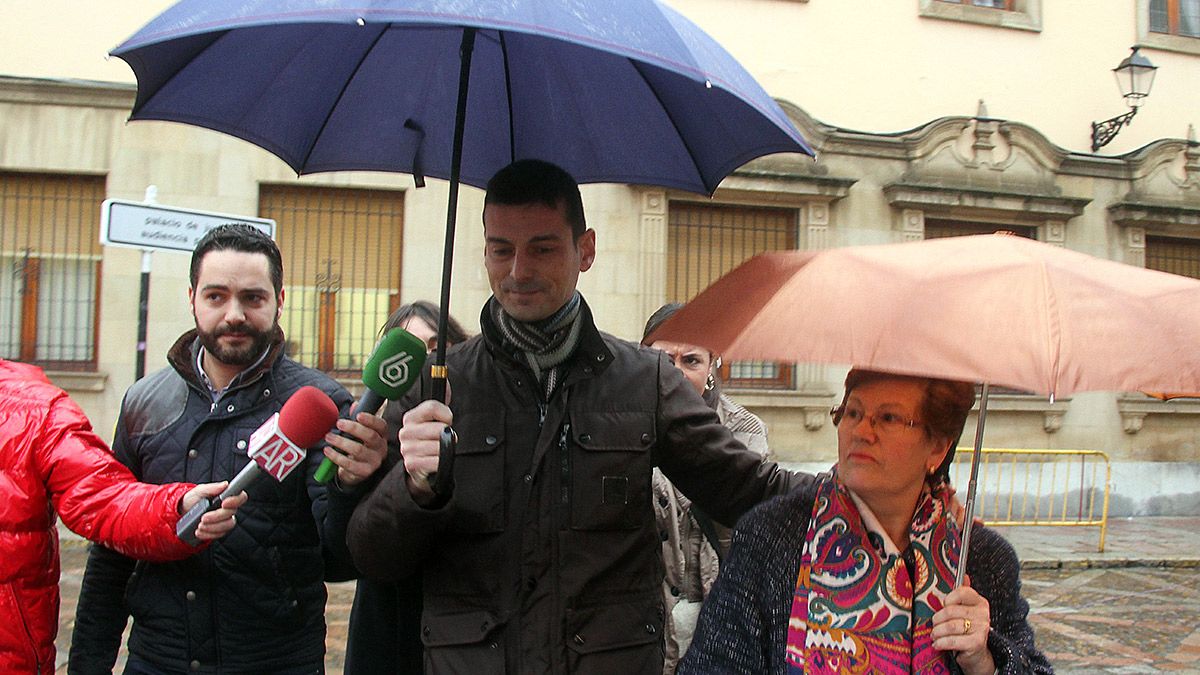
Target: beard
237,356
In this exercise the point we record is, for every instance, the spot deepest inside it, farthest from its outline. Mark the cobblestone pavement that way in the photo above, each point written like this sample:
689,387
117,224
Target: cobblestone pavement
1134,608
1116,619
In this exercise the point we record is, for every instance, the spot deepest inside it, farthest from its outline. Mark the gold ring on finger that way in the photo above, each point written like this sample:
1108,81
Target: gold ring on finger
966,626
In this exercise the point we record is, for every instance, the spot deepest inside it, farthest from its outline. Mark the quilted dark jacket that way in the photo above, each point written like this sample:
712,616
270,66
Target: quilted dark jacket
255,600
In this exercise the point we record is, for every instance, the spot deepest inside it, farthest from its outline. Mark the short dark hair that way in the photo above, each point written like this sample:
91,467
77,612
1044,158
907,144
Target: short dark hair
430,314
241,237
944,407
534,181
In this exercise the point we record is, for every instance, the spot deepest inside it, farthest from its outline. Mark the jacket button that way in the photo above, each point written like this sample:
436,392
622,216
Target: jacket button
578,639
229,408
646,438
191,595
586,438
241,445
192,453
528,478
490,440
266,393
194,665
493,646
600,357
587,370
651,629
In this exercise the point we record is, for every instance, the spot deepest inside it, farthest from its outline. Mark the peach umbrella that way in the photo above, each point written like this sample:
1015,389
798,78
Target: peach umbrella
994,309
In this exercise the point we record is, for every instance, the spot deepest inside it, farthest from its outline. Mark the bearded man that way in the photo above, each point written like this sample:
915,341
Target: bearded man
255,601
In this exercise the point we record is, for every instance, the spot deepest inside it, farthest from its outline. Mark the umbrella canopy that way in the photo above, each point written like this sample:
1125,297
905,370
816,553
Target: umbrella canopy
626,92
993,308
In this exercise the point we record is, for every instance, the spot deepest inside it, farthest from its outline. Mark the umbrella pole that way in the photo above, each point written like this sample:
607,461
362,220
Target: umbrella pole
438,369
969,511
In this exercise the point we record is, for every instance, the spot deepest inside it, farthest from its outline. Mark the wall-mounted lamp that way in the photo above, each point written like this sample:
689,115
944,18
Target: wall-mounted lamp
1135,76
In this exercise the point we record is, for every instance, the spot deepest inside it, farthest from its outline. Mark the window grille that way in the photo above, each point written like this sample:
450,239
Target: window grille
341,261
1175,17
704,242
1177,256
50,259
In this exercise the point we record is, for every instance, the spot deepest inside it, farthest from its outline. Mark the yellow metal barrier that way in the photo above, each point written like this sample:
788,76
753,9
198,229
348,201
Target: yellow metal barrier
1038,487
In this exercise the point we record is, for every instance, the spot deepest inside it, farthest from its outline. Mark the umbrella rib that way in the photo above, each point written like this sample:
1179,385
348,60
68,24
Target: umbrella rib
338,99
512,134
637,67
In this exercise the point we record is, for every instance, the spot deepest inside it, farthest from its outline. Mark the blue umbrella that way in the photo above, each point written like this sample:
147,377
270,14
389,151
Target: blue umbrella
626,91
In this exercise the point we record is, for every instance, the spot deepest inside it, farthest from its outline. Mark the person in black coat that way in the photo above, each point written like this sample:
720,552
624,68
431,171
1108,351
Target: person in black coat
383,637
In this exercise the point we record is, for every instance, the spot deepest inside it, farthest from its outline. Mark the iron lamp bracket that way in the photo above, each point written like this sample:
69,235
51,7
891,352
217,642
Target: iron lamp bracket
1103,132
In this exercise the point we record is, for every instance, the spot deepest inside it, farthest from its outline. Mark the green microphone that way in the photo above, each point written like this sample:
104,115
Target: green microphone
393,367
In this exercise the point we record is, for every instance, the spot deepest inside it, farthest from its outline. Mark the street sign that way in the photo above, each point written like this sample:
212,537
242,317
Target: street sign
150,226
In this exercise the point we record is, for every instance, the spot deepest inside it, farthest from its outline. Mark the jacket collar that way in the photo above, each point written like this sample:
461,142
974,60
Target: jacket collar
182,357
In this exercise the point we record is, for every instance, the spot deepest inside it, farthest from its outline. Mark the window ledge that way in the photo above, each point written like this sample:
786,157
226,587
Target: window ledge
813,404
1052,413
1135,407
1027,16
69,380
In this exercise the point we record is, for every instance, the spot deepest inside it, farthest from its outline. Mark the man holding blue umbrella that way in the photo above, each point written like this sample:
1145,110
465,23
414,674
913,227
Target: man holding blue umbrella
540,553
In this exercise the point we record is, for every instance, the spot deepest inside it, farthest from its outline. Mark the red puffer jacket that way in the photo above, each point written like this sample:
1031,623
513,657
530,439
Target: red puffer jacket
51,461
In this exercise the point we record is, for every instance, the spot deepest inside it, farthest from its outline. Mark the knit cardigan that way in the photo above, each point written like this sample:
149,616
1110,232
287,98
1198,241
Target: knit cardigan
743,625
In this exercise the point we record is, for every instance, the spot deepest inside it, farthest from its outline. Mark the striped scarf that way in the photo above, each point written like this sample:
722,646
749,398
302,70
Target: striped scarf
545,345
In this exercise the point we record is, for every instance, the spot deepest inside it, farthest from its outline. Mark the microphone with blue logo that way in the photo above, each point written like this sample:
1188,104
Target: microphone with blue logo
391,369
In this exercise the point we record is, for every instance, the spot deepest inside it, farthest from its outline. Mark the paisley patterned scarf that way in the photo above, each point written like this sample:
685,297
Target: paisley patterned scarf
861,606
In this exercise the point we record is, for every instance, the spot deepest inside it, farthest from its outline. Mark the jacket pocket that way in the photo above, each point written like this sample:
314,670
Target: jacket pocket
610,475
465,642
623,637
478,502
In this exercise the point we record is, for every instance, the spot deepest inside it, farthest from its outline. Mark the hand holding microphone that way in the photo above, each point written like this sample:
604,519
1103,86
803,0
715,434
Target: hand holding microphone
276,448
391,369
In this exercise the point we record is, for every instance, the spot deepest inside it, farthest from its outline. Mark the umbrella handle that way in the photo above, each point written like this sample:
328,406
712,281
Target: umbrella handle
969,511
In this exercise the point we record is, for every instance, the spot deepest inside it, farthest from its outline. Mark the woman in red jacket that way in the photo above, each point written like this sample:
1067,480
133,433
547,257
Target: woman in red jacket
51,461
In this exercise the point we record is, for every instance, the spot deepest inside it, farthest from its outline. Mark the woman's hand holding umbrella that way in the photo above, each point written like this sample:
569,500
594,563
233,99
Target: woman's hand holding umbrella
962,626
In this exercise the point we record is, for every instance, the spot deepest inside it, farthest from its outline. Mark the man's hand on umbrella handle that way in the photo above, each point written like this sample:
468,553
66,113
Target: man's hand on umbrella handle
420,446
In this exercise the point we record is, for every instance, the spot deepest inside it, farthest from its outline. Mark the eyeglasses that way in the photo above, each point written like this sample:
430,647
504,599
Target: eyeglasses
883,423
